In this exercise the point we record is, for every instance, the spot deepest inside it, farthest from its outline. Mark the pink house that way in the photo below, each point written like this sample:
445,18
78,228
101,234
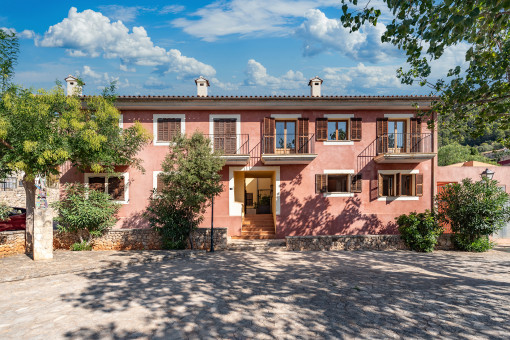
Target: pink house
295,165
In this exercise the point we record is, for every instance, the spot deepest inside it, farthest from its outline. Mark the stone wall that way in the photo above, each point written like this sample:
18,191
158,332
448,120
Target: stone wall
140,239
12,242
355,242
202,238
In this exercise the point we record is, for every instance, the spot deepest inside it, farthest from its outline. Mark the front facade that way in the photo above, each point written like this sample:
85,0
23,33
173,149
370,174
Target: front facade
294,165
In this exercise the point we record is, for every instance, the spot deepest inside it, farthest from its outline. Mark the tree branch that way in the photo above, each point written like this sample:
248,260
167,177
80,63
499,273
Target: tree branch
9,146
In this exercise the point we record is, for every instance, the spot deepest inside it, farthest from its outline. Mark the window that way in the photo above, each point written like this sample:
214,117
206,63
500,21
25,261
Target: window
285,137
166,127
400,184
338,183
338,128
116,187
393,135
225,138
341,184
8,184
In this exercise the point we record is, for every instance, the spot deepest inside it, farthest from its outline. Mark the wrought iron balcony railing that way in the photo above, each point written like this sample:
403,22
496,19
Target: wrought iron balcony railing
404,143
282,144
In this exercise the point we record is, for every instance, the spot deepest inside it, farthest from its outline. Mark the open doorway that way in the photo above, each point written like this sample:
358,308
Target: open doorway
258,193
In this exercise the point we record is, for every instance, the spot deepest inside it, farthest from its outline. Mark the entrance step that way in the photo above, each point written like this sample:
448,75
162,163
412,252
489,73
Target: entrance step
256,245
257,232
254,237
257,227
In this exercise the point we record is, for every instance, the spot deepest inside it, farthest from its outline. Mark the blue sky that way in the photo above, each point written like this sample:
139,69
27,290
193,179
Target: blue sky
244,47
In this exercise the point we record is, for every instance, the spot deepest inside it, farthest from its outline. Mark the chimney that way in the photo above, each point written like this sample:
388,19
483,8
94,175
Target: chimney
315,86
72,86
202,85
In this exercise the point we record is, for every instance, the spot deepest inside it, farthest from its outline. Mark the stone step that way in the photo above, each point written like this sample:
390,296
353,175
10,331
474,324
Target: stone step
256,245
254,237
258,220
258,224
257,232
257,228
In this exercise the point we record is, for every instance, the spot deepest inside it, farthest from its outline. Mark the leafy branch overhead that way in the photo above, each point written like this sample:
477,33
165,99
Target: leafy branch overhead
425,29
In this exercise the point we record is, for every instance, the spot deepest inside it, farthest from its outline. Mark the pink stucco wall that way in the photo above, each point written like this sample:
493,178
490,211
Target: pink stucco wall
456,174
303,212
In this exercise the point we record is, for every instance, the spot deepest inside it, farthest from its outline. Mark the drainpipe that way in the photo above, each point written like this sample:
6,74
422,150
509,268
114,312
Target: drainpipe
434,161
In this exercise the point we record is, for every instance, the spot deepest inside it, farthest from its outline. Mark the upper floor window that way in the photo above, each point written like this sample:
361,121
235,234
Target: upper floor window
338,129
399,135
166,127
286,136
225,137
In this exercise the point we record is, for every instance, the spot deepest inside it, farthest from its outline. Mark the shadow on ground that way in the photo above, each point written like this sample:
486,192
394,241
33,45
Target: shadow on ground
306,295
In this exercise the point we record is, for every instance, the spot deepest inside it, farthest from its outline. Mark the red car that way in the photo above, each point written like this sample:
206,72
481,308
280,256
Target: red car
15,221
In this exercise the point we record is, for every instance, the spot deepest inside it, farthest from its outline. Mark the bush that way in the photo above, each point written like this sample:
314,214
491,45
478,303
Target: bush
85,209
81,246
419,231
474,210
4,211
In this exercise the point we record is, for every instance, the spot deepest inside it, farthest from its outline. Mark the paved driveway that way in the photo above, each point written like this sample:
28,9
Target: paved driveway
309,295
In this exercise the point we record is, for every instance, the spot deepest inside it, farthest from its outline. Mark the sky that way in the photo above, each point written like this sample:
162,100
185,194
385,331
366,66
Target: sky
243,47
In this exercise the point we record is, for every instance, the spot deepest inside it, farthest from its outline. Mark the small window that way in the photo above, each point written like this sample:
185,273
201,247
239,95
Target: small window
201,84
114,186
337,130
71,83
388,185
168,128
316,83
338,183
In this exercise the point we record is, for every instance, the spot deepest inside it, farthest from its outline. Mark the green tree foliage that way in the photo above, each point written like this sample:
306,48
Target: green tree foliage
9,49
83,209
423,29
456,153
191,178
474,210
420,231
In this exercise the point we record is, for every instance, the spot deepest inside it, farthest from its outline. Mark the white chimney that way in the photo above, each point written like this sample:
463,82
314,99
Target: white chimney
315,86
202,85
72,86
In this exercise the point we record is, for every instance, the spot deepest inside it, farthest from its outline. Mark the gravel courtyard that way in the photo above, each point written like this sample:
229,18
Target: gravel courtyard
266,295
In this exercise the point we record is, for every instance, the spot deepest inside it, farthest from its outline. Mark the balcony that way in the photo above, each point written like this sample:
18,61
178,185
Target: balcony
404,148
282,149
235,148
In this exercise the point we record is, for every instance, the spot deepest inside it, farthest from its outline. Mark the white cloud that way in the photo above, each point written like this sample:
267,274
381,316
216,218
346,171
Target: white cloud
362,79
256,75
224,86
102,79
123,13
90,33
222,18
172,9
126,68
321,34
154,83
25,34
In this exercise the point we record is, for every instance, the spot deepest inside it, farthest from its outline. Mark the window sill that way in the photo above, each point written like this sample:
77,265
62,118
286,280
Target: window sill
122,202
338,194
338,142
399,198
156,143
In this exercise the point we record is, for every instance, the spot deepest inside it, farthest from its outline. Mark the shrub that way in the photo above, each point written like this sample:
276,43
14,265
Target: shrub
419,231
84,209
4,211
474,210
81,246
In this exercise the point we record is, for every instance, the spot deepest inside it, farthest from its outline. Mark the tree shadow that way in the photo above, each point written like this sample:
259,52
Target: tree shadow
315,215
303,295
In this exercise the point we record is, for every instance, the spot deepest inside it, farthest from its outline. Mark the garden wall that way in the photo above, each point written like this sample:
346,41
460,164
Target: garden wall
355,242
12,242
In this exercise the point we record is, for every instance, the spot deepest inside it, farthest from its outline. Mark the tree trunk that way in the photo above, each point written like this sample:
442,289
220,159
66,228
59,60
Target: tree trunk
190,235
39,224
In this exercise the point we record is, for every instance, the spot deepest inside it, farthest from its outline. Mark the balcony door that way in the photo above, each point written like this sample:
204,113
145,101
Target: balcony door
285,137
225,138
396,136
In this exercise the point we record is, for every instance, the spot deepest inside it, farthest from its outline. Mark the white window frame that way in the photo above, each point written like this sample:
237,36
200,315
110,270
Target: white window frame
237,117
106,176
399,198
340,116
350,173
155,118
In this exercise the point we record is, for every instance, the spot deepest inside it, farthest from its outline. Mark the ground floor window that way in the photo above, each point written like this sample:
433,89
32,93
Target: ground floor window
337,183
400,184
115,186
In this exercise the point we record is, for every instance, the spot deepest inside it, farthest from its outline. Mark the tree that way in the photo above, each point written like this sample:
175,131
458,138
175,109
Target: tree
474,210
83,209
456,153
480,91
9,49
191,179
41,131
